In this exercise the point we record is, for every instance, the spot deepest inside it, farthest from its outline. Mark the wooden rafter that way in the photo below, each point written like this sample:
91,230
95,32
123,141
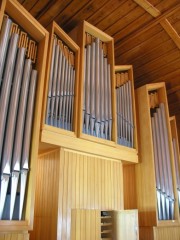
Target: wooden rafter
171,31
148,7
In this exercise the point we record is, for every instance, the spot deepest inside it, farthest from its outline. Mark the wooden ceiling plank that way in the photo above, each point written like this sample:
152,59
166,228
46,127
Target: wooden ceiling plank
70,10
148,26
149,54
124,21
138,41
153,76
91,7
171,78
171,31
174,106
173,89
119,12
38,6
167,78
157,63
148,7
48,15
176,26
174,17
45,9
102,13
164,5
27,4
132,27
148,43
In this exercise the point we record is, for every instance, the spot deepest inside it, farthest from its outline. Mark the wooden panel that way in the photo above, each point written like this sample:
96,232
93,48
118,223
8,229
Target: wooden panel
14,236
77,181
129,186
81,176
46,200
166,233
126,224
85,224
146,233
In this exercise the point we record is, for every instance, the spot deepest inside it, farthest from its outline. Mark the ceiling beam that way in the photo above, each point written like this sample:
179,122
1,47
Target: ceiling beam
171,31
148,7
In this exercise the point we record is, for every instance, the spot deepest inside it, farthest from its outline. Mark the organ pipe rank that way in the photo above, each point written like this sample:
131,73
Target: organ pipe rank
60,102
17,94
162,160
124,110
97,108
175,145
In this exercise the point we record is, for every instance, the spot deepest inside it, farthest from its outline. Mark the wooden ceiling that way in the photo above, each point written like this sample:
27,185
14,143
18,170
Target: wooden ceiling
146,34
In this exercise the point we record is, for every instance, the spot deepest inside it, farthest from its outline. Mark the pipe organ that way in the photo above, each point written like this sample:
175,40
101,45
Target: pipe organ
68,128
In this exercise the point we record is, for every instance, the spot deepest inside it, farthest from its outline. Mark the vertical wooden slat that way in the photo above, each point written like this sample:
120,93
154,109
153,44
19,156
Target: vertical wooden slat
115,184
88,224
99,184
103,205
73,224
85,181
106,176
61,190
92,182
81,181
88,183
73,189
118,178
77,181
46,200
78,225
65,197
96,189
112,186
69,198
